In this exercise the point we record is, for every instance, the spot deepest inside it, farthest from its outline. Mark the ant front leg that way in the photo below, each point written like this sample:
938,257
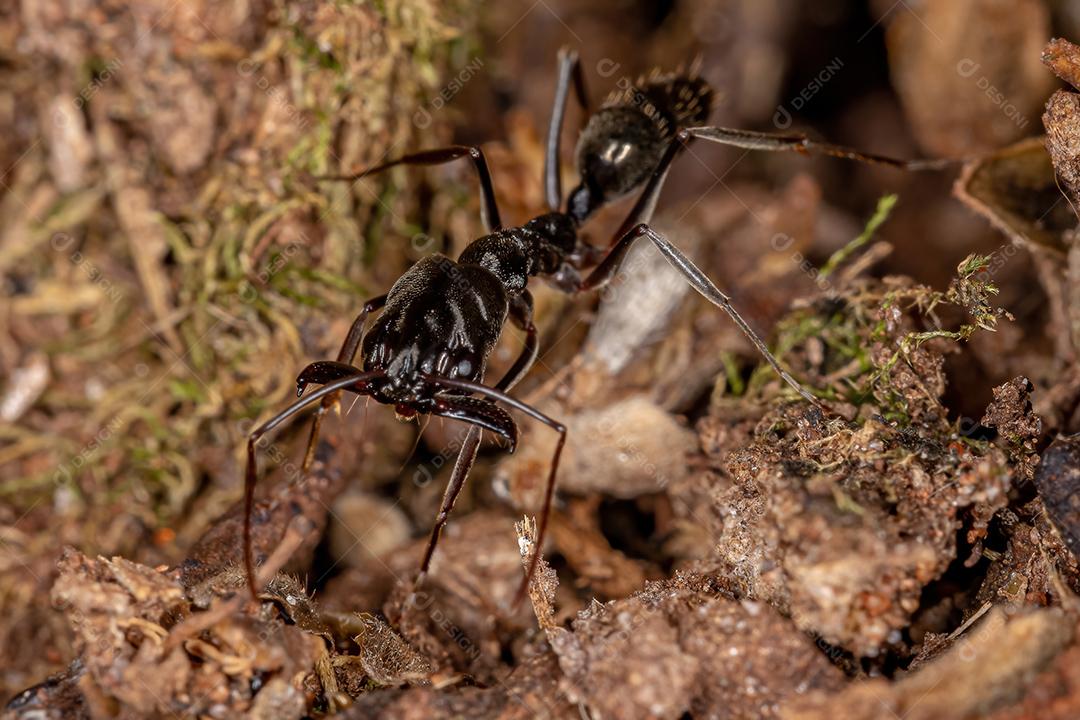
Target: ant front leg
489,209
753,140
549,489
338,377
480,414
521,313
607,269
569,73
346,355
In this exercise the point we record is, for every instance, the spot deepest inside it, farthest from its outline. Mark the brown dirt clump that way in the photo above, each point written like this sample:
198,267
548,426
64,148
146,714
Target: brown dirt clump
1058,481
842,529
136,662
680,647
1063,57
1062,121
842,524
980,673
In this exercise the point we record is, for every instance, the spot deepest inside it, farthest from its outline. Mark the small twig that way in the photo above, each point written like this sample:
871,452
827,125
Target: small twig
873,255
881,214
970,621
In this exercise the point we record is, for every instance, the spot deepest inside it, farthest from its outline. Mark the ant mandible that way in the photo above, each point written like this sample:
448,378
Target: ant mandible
427,352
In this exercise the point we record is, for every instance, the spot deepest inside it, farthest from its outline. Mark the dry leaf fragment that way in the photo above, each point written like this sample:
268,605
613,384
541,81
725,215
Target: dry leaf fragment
1015,189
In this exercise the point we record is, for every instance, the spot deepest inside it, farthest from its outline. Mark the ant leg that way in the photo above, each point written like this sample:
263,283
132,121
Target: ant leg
345,355
549,491
635,225
489,209
521,313
752,140
521,310
643,208
480,414
569,72
607,269
355,382
797,142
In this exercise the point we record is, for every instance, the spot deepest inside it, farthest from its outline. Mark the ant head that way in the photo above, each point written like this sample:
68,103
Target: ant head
440,319
408,362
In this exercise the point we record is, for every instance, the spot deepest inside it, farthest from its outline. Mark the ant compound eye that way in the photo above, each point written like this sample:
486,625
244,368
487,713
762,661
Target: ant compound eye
464,367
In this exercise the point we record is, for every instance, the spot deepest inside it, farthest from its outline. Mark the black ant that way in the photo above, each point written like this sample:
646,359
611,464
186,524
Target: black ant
427,352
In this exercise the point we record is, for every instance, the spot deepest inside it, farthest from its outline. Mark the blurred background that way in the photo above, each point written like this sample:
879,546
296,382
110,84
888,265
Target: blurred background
167,265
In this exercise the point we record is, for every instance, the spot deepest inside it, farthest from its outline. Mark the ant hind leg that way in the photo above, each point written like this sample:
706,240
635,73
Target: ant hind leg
753,140
797,142
608,268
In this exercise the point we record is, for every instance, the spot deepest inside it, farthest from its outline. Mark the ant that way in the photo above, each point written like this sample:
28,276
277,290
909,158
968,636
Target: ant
427,351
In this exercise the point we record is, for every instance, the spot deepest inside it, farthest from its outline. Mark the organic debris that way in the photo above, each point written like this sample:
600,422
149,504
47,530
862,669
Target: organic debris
1058,481
980,673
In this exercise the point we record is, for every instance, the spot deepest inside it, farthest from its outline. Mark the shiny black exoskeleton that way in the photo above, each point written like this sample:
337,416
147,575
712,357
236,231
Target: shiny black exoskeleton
443,317
427,351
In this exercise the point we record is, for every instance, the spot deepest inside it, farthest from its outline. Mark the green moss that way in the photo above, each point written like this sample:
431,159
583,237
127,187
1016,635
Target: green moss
881,214
853,321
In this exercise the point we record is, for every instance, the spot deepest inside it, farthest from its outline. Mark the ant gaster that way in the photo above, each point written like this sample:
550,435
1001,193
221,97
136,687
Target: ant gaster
427,351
